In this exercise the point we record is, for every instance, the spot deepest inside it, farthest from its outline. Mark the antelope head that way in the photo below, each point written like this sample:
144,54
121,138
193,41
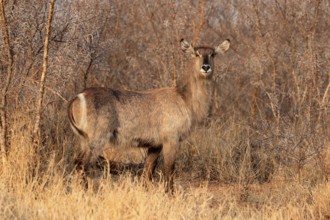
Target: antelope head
204,55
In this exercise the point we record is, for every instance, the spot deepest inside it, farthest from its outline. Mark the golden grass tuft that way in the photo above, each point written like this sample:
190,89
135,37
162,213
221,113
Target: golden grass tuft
322,201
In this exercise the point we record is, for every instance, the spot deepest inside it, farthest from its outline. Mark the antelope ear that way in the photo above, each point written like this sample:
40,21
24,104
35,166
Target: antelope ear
223,47
187,47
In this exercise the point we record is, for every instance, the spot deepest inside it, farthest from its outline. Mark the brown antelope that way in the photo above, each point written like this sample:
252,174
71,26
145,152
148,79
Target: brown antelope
154,119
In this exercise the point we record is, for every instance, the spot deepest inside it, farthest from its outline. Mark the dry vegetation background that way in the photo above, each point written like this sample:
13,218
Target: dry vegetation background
263,153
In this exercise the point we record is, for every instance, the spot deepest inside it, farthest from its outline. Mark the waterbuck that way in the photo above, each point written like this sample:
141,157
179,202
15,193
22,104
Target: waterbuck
154,119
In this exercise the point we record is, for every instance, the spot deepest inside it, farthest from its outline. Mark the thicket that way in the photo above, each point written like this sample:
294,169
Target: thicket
270,115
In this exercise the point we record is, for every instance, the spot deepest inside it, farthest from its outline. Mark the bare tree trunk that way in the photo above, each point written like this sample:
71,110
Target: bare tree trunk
3,104
36,129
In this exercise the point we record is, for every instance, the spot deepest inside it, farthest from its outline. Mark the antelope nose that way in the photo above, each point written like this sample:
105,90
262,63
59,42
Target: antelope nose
206,67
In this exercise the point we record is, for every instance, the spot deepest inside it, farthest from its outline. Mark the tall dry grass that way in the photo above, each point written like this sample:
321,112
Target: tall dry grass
212,182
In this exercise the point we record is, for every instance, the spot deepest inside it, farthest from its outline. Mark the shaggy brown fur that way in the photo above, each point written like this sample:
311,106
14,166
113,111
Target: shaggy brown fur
154,119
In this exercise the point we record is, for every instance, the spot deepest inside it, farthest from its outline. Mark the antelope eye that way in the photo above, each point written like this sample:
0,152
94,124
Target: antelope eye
197,54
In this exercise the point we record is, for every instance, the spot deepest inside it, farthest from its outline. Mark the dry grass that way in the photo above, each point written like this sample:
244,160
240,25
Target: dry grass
126,198
43,187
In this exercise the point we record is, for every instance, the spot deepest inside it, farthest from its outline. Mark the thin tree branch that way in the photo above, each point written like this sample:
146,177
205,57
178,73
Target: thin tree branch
36,129
201,21
3,105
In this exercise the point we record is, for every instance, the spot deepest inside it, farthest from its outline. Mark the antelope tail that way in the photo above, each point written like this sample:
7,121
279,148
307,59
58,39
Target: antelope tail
73,122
